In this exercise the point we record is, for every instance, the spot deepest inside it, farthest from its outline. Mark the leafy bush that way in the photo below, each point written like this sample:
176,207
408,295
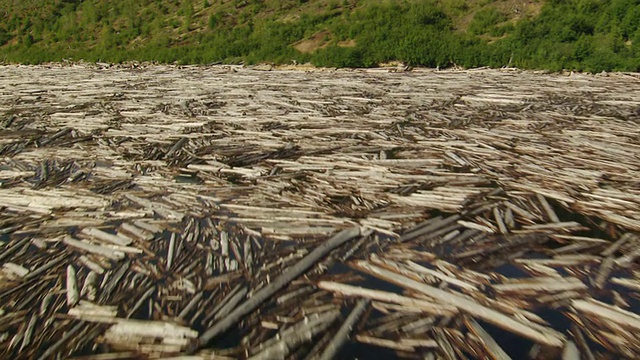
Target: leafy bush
573,34
486,20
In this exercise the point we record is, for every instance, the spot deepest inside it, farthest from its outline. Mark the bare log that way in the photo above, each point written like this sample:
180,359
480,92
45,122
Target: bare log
433,225
341,337
95,249
72,287
548,336
491,346
423,305
547,208
609,312
281,281
296,335
63,340
570,351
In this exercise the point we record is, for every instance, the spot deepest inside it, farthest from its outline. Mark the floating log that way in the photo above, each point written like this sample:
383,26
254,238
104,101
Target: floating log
611,313
493,349
547,337
332,349
132,334
92,248
278,283
73,296
296,335
570,351
541,285
503,190
423,305
106,237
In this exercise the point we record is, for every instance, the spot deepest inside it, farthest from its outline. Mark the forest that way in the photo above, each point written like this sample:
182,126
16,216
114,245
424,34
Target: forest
582,35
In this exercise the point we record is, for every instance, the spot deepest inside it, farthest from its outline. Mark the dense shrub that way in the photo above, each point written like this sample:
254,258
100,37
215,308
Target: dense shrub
566,34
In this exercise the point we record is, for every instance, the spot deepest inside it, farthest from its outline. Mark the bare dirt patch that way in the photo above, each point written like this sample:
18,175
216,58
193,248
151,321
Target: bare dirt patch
317,41
347,43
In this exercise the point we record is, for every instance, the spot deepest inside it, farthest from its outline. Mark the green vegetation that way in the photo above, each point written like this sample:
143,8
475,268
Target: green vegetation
557,34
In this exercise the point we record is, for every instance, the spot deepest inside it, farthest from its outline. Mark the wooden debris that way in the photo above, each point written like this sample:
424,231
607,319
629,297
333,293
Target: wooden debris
547,336
282,280
134,334
570,351
492,348
88,311
426,306
106,237
392,344
332,349
96,249
297,335
72,287
138,224
547,208
602,310
541,285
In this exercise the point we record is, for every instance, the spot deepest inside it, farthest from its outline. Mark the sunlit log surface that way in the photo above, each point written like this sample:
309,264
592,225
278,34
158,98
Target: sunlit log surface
142,206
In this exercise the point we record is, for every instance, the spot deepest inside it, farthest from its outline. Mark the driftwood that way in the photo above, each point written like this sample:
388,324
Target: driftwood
139,224
332,349
73,295
546,336
492,348
296,335
278,283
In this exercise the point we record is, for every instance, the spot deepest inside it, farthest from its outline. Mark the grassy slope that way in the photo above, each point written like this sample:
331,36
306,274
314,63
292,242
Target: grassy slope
576,34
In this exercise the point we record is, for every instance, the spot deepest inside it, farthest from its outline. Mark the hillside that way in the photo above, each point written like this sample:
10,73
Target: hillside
554,35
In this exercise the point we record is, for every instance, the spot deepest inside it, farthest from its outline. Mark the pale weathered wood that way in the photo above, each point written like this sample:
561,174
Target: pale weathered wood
423,305
570,351
455,176
73,295
278,283
604,311
493,349
548,337
392,344
106,237
96,249
332,349
296,335
541,285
